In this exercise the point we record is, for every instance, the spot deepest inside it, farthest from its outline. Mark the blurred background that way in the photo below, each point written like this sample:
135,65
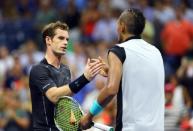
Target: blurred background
169,27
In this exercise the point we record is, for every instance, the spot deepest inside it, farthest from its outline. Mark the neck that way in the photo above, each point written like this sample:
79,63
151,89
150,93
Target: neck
53,59
126,36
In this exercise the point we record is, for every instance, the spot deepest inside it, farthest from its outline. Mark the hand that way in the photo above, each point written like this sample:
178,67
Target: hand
92,68
86,121
105,69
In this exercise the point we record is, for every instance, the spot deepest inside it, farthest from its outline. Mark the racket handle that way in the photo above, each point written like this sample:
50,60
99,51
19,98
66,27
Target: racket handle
103,127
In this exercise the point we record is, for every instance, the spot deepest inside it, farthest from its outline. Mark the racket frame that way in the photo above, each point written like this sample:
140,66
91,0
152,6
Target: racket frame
72,99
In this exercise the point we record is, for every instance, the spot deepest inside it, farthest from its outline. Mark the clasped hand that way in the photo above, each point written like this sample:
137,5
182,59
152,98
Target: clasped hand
94,67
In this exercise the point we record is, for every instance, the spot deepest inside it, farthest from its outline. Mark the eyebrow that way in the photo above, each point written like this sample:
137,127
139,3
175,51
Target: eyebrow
62,37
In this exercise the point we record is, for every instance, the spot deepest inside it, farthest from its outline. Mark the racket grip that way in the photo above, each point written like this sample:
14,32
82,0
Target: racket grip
103,127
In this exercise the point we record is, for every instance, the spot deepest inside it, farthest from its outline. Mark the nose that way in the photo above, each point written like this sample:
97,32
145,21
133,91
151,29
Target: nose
65,42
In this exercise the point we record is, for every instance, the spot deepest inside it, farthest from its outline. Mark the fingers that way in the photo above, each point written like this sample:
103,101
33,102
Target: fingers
88,61
93,67
84,127
101,66
85,123
103,73
96,68
94,60
95,71
100,59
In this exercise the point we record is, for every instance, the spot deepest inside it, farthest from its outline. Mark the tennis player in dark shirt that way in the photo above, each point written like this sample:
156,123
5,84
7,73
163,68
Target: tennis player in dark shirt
50,79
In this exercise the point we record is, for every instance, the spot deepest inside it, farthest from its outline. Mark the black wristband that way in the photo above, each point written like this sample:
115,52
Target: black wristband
78,84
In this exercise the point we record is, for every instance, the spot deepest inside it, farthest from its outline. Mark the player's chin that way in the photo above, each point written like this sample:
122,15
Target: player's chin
60,53
63,53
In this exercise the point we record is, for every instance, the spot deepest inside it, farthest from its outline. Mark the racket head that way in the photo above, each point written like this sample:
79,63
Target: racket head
67,109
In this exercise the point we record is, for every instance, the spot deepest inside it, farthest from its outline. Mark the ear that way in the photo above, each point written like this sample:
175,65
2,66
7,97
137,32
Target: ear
123,28
48,40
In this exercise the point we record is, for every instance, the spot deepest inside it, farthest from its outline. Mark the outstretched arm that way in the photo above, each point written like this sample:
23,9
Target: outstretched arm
107,94
91,70
40,79
115,73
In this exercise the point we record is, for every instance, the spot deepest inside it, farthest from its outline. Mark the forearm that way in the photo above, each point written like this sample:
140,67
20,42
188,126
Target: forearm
55,93
105,97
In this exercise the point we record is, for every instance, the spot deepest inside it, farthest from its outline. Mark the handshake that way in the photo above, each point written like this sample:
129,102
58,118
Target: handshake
94,67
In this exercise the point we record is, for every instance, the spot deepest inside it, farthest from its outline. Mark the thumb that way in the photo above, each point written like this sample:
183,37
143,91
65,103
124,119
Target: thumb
100,58
88,61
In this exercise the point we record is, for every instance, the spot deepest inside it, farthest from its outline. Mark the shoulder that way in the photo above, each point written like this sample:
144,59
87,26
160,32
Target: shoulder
117,47
38,69
119,52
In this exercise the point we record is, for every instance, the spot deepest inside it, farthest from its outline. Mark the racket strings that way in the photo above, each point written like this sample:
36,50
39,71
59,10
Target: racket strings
63,115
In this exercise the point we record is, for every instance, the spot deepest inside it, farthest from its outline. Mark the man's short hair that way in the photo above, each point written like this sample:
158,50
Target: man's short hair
134,21
49,30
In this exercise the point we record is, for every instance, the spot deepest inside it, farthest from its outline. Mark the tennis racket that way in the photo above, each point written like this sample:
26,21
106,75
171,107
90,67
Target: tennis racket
68,113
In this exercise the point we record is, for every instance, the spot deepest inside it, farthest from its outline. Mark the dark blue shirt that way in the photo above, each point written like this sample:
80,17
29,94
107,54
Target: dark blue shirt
42,77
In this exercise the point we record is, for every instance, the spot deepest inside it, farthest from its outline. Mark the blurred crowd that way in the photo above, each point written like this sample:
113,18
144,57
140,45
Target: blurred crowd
169,27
